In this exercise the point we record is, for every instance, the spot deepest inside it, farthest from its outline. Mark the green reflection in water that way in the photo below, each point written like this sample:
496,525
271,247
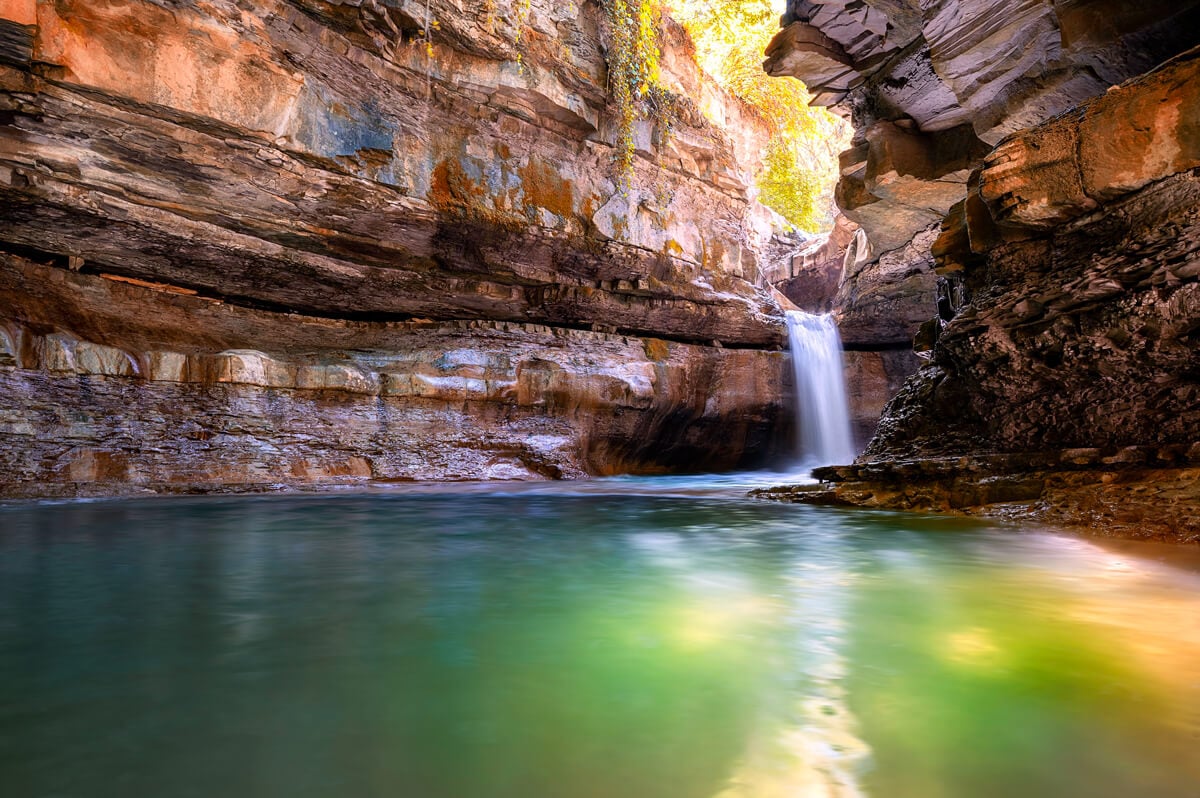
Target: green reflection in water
580,646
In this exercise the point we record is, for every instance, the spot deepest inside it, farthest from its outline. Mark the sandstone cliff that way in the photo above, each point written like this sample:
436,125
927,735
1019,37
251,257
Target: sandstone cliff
320,239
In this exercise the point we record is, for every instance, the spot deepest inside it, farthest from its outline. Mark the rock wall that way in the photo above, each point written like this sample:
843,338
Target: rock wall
319,239
1078,256
931,87
1062,383
158,390
1022,189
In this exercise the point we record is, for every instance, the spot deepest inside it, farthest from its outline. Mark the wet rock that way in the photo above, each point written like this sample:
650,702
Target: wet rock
872,379
1061,382
1129,496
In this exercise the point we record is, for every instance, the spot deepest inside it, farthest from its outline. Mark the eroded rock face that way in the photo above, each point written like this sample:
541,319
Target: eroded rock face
933,86
286,160
810,277
157,390
1029,217
1063,383
1080,264
329,165
995,65
873,378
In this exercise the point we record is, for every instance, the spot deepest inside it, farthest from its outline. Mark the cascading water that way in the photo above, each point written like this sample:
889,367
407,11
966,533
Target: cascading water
822,413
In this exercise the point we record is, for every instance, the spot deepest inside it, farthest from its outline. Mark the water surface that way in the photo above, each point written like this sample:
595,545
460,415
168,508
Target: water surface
585,641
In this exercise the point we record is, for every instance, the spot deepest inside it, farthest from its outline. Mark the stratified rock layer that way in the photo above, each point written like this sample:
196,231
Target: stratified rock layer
931,86
1137,492
364,245
282,161
1030,209
157,390
1082,268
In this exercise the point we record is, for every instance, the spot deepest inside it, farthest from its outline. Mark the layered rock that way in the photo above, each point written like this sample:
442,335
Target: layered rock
810,277
1081,261
1034,224
285,160
1064,385
931,87
994,65
166,391
389,185
1136,492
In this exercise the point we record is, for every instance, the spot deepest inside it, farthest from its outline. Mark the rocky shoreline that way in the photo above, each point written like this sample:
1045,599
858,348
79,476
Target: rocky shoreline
1139,493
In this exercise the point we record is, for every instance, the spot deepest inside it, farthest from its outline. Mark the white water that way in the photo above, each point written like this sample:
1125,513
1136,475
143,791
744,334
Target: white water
822,413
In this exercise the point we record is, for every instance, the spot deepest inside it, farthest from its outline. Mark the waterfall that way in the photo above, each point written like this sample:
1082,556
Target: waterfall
822,414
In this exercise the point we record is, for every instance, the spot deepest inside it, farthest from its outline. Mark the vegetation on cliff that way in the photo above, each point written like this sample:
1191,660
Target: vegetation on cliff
800,163
633,70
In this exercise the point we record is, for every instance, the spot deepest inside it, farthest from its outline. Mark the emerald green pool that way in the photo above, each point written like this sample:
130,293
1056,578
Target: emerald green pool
586,642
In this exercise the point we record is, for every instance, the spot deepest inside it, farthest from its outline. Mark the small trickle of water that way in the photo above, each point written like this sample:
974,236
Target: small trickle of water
822,413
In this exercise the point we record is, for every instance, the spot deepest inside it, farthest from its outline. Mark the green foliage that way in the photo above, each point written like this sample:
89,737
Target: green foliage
788,189
633,74
523,9
798,162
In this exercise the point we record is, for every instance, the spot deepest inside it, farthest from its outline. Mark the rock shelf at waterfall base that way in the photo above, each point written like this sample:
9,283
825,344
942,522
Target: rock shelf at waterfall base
1145,493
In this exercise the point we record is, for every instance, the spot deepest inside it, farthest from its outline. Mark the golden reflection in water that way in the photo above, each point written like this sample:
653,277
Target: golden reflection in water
1158,631
710,621
974,648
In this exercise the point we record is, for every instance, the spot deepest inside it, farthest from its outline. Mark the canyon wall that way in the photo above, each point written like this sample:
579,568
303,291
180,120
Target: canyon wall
322,240
931,88
1076,259
1046,198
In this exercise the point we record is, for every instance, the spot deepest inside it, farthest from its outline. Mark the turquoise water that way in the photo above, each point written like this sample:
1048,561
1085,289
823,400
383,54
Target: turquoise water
618,639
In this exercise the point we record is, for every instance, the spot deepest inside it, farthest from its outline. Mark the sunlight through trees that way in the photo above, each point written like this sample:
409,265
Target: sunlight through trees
800,163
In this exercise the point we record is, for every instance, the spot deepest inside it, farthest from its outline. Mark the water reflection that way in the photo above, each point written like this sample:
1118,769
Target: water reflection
594,644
